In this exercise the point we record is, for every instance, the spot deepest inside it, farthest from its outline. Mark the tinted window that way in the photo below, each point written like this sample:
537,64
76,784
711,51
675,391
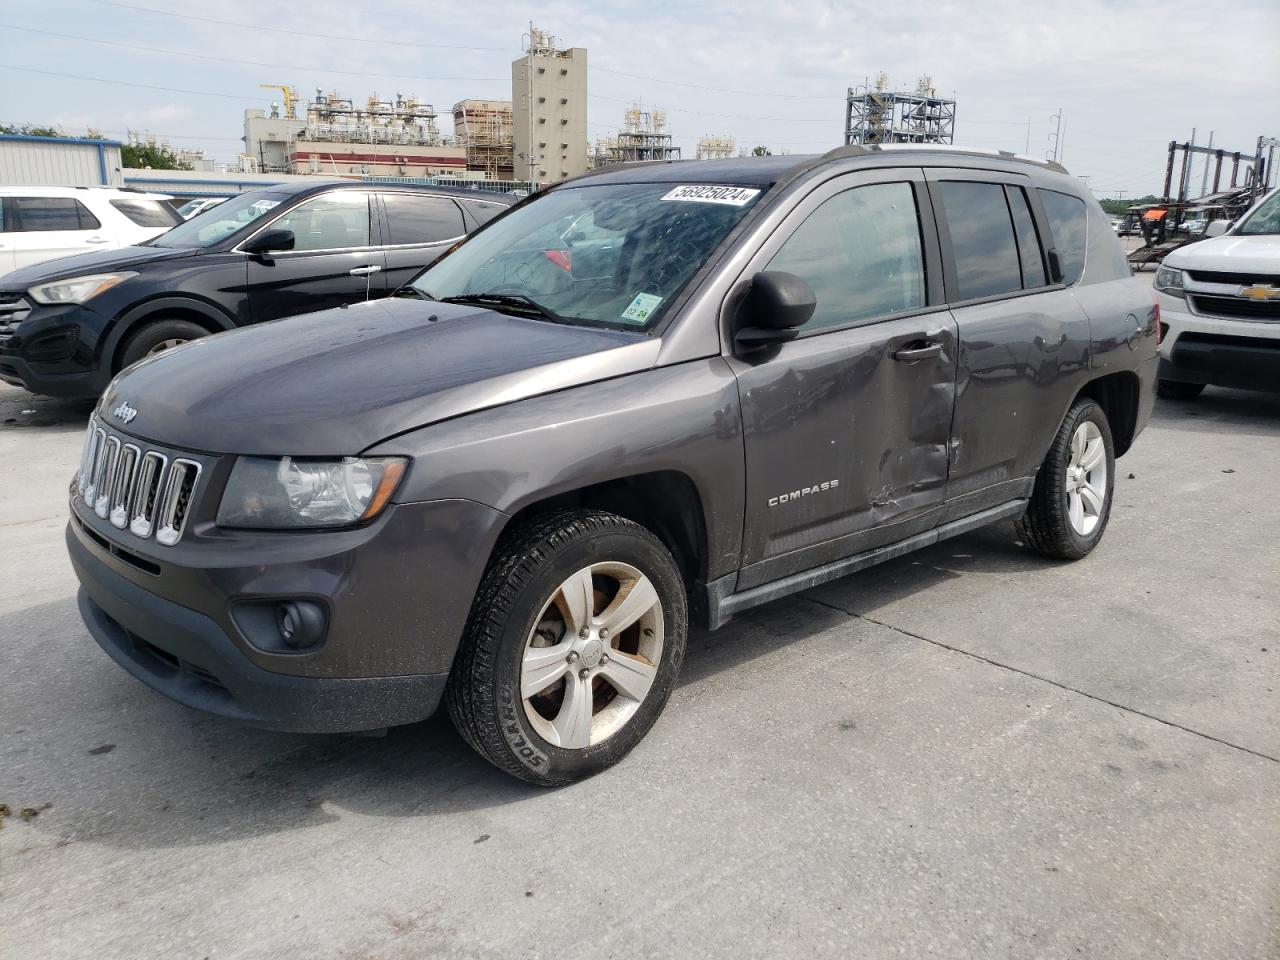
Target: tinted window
52,213
147,213
982,240
1067,223
422,219
1028,240
860,251
482,212
332,221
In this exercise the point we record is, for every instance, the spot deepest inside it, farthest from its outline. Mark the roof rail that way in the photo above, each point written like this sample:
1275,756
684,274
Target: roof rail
862,150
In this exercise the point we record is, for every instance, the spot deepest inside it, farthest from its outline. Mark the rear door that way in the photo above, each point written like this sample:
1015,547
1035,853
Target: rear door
846,427
335,258
1024,341
419,227
45,228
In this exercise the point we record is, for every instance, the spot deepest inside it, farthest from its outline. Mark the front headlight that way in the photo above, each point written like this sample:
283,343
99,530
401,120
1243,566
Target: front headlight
1169,280
291,492
77,289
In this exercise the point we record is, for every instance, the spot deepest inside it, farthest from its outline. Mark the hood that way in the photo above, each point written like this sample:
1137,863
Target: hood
1230,253
339,381
80,264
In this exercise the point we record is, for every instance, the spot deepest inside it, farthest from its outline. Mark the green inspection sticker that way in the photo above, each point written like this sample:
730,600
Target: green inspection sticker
641,308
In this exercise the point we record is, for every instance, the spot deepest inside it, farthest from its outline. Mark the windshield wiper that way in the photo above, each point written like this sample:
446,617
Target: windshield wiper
516,300
410,290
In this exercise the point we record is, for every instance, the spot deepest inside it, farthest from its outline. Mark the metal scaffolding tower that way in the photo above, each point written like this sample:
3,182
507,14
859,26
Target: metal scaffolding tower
880,115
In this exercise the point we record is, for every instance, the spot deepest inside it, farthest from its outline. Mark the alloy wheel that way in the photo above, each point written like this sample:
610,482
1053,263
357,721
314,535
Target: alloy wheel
1086,478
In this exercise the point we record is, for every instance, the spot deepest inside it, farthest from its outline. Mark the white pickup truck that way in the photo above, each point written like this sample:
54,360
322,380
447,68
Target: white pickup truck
1220,307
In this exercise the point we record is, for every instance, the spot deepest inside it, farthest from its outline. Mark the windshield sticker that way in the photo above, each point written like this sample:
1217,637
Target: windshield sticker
710,193
641,308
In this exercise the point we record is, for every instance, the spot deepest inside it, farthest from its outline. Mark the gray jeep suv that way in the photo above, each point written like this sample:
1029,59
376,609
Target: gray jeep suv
658,394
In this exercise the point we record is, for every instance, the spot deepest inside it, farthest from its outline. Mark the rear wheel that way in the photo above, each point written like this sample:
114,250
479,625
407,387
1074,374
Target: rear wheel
157,337
1071,502
573,645
1177,390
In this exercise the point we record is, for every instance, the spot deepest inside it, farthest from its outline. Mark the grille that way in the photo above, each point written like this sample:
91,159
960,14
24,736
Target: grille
1243,279
142,491
1236,307
13,310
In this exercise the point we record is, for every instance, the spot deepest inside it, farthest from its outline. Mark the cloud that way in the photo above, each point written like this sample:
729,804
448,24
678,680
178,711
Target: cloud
158,117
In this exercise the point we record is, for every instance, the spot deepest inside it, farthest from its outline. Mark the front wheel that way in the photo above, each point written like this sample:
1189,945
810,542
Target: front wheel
157,337
1071,501
572,648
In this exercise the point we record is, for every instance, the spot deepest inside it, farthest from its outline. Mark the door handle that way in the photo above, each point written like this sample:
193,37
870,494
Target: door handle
97,240
363,271
919,351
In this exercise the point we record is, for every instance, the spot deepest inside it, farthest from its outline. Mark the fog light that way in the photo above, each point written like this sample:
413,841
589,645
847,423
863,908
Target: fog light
300,622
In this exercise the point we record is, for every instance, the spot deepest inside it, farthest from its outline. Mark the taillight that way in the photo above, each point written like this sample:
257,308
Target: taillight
561,258
1160,327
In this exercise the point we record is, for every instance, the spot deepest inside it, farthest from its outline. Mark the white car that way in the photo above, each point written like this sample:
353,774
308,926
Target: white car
41,223
1220,307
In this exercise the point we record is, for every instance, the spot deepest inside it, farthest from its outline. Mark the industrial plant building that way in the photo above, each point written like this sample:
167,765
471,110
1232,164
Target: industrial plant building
549,94
342,137
483,129
880,115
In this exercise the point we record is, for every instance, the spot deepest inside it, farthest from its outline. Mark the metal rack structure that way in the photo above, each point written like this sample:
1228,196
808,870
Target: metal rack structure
880,115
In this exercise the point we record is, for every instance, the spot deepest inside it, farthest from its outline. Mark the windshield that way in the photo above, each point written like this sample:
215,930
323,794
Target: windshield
218,223
1266,219
613,255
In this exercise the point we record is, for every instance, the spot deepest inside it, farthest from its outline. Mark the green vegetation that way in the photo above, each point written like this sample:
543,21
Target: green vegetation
761,152
28,130
139,155
1118,208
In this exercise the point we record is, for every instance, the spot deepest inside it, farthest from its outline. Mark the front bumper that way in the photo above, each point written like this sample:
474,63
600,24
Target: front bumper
55,352
390,639
1223,352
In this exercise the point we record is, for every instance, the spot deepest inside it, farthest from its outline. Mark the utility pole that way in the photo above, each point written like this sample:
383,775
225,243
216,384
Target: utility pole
1056,136
1204,179
1028,150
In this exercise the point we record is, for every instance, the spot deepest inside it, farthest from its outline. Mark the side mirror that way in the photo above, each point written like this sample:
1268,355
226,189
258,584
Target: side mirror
270,240
774,309
1217,228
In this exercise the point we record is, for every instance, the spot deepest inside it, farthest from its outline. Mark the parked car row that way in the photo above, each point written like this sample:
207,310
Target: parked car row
655,395
69,325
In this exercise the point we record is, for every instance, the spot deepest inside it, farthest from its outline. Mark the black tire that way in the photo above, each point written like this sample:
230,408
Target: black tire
1046,526
150,336
1177,390
529,565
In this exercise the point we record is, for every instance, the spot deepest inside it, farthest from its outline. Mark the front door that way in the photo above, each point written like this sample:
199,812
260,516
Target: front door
334,260
846,427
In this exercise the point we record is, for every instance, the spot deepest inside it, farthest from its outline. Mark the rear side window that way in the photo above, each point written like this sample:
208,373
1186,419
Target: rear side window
982,239
148,213
31,214
861,253
482,212
1024,227
1068,222
422,219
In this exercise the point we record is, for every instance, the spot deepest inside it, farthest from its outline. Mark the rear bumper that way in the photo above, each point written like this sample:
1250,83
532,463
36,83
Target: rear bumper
187,657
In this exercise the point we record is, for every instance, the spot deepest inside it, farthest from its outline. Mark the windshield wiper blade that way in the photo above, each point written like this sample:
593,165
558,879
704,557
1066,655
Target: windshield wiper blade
410,290
518,300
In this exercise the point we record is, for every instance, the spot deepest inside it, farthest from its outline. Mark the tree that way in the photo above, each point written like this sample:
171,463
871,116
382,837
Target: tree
761,151
27,130
143,155
1117,208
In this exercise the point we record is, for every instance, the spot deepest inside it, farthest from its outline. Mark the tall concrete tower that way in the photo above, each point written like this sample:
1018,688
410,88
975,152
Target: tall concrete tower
549,100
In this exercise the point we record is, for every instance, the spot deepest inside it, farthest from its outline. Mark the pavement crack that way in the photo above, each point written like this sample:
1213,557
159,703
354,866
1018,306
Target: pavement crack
1044,679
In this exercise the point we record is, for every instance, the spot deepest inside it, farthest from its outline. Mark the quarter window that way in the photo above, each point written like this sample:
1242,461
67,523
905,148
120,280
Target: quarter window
422,219
31,214
982,239
482,212
1068,223
861,253
1028,239
147,213
334,221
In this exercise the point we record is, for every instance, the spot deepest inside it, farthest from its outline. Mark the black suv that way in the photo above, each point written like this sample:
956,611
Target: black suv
660,393
68,326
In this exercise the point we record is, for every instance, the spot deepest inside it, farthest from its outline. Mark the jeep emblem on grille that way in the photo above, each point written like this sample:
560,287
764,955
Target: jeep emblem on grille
124,412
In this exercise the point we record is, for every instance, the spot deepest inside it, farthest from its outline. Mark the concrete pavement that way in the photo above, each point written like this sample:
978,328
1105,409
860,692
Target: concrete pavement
968,752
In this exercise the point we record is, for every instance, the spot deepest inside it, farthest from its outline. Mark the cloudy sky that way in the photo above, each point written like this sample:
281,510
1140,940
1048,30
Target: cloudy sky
1127,76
